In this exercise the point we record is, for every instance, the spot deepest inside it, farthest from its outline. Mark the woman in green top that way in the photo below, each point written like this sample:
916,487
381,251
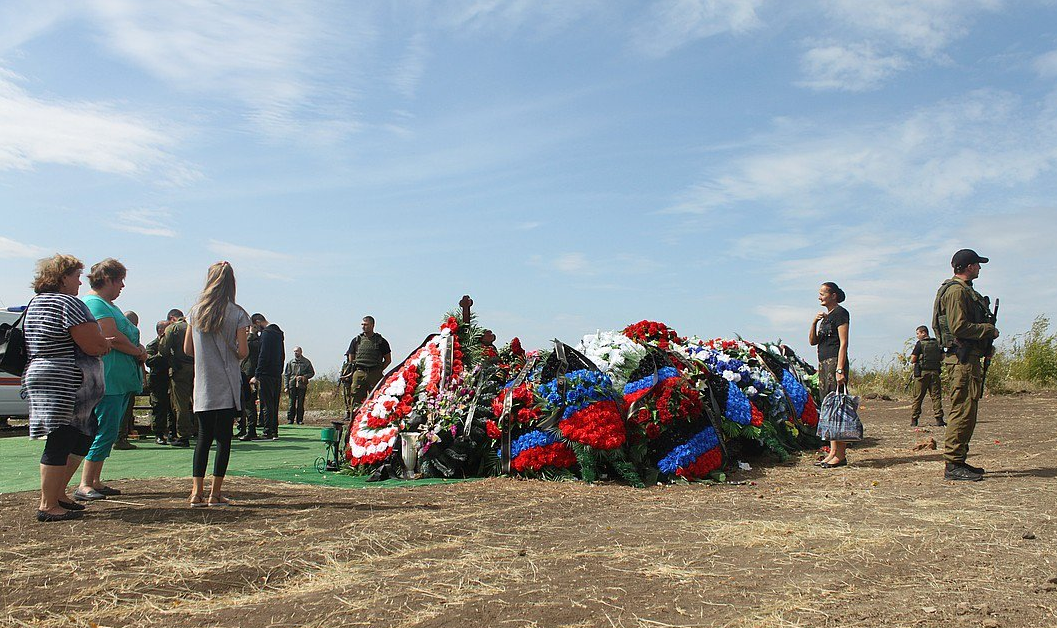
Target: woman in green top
121,372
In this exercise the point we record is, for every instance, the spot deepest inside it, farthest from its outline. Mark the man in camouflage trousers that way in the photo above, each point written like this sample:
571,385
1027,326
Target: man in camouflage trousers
962,322
927,358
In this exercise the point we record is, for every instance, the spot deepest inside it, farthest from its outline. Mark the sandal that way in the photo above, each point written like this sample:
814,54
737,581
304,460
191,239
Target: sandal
834,465
198,502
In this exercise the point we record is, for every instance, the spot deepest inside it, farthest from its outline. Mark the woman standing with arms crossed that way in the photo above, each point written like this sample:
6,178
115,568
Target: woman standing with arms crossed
217,340
121,373
63,380
829,330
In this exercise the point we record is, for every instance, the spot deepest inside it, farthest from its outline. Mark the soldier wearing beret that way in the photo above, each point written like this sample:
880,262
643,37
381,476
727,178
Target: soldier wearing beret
961,318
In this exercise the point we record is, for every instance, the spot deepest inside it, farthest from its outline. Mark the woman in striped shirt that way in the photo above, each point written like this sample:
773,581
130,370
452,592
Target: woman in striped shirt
63,380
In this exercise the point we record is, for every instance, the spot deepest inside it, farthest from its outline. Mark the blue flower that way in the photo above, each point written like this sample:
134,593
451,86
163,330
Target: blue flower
739,409
795,390
530,440
664,373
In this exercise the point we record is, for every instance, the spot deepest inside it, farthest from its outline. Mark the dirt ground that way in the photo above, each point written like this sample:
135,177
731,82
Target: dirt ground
884,542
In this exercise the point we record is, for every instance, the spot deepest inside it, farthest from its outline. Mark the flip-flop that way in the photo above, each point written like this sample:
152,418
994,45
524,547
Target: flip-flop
199,503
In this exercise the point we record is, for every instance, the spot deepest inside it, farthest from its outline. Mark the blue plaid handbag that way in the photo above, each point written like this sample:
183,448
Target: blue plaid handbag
839,419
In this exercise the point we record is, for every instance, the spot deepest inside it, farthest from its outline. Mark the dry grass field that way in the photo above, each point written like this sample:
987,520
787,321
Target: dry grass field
884,542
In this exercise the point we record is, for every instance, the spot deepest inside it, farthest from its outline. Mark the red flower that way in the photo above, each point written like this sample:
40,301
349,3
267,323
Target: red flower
810,414
757,416
556,455
599,425
493,430
652,430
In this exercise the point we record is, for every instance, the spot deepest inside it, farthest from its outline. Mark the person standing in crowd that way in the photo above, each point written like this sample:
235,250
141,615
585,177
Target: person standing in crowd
122,373
962,320
181,379
63,379
268,374
128,423
829,331
163,424
217,341
250,415
927,358
369,354
295,380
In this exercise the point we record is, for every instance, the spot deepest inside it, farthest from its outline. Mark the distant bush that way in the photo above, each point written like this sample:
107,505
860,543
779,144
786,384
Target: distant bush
323,394
1027,361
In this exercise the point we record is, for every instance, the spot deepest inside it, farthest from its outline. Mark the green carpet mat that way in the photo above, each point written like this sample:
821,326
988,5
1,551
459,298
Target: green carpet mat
290,459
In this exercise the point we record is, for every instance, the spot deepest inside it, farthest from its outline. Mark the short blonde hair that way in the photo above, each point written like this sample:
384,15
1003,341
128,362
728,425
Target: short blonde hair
110,269
51,270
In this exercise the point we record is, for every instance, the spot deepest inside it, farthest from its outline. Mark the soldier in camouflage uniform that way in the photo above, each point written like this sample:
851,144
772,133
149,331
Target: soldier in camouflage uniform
182,367
162,420
927,358
962,322
368,354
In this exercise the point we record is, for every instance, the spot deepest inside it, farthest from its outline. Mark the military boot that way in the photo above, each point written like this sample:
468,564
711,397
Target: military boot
959,472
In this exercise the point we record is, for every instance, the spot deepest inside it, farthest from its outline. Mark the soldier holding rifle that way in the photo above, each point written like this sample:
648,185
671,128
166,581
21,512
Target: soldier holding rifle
964,324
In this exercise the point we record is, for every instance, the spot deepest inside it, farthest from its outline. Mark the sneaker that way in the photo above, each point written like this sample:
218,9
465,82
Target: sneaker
161,440
958,472
124,444
276,437
249,436
180,442
976,470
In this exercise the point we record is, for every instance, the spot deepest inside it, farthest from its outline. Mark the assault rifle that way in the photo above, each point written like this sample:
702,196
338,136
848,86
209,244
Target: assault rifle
989,350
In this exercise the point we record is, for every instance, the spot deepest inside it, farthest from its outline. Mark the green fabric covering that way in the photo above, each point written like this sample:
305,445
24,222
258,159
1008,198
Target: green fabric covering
290,459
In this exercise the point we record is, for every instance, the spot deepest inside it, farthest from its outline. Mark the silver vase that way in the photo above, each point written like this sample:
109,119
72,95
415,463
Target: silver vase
409,452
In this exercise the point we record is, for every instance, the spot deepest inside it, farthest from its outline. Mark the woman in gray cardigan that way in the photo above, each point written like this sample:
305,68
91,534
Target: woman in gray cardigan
219,328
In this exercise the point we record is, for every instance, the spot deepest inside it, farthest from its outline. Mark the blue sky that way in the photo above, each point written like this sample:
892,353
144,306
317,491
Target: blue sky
573,166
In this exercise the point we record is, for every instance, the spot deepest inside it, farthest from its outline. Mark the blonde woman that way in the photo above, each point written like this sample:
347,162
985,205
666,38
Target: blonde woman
63,380
219,329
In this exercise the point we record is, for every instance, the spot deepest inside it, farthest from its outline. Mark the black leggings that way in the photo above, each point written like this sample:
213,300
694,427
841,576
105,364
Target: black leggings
213,424
62,442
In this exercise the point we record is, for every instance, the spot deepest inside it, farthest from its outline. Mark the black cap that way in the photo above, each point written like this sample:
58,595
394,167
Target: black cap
965,257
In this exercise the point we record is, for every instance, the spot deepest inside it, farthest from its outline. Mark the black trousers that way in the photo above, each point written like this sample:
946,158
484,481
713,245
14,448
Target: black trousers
268,388
297,405
249,415
213,425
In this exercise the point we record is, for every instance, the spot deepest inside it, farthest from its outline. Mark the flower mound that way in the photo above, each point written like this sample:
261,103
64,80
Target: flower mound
694,459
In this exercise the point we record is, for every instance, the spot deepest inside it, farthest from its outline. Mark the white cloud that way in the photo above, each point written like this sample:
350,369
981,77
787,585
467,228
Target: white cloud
669,25
934,156
84,134
412,66
11,249
854,67
273,57
149,222
573,263
1046,65
893,31
233,252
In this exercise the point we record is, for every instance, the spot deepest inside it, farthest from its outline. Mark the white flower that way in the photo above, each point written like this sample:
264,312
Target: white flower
751,391
730,375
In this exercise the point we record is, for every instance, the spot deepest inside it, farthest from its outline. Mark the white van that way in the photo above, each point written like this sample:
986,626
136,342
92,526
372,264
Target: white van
11,402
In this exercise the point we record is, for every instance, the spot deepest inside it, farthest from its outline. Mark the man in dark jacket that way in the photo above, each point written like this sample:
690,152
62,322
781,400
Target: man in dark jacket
295,380
249,418
927,358
269,372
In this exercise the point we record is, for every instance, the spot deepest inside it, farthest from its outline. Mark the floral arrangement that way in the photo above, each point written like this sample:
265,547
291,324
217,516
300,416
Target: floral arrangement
695,458
650,332
523,408
803,402
614,353
590,410
374,427
538,450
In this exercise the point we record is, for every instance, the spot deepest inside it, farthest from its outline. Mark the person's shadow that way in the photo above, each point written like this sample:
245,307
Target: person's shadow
1026,473
891,461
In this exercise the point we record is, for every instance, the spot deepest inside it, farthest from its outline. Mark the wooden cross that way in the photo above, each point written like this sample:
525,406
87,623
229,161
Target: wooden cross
466,302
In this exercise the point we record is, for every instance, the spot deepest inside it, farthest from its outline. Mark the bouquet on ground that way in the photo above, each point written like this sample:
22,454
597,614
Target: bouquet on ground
614,354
